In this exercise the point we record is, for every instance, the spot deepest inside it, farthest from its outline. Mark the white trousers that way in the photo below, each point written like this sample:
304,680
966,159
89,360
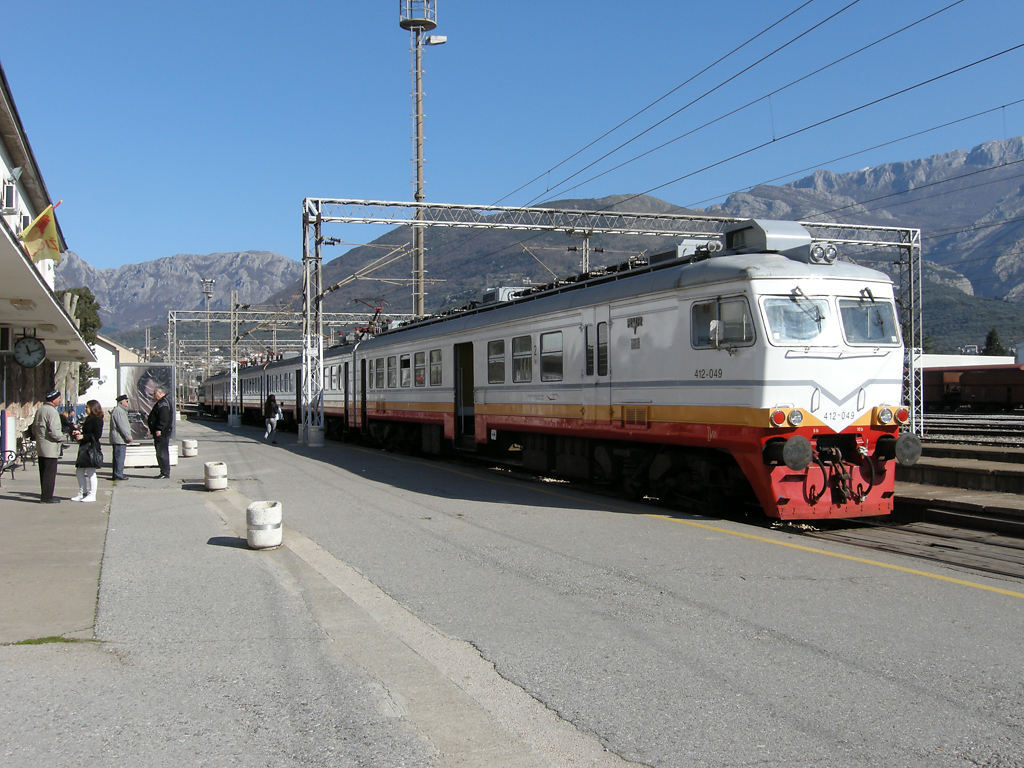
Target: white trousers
87,482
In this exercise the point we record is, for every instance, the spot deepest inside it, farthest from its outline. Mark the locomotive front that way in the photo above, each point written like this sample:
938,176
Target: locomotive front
831,373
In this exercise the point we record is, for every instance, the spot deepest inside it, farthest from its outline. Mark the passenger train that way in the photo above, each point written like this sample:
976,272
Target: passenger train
765,371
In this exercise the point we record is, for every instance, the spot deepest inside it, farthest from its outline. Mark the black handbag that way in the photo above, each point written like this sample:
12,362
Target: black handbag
90,454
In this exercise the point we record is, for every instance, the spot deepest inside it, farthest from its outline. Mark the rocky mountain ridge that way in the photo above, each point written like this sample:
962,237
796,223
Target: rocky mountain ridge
140,295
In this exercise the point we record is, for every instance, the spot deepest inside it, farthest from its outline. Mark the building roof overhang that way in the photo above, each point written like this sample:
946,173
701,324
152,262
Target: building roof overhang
29,307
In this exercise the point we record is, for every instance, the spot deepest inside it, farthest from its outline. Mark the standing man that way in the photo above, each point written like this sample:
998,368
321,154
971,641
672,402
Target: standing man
159,421
49,441
120,436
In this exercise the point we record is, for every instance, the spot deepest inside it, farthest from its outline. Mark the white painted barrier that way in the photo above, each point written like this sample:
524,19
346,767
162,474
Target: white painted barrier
264,527
216,475
189,448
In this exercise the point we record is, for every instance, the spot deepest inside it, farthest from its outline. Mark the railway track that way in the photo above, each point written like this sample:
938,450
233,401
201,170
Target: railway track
980,551
974,428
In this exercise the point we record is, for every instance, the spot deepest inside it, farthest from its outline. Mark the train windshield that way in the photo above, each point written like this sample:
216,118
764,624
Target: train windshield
798,319
868,321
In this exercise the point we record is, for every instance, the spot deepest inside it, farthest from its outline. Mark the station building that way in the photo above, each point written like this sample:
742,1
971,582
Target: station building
40,345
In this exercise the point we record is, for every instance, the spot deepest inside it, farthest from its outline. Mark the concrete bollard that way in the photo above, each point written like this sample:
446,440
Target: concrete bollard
315,437
263,524
216,475
189,448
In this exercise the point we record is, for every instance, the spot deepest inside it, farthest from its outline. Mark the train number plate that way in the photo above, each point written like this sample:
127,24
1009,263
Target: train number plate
839,415
707,373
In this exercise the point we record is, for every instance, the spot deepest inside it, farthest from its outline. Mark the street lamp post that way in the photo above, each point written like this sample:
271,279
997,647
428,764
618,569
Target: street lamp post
419,16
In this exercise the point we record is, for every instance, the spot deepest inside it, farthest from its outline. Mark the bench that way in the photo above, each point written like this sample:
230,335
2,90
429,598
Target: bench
9,463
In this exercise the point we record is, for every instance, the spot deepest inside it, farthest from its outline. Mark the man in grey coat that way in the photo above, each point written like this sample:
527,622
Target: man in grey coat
120,436
49,440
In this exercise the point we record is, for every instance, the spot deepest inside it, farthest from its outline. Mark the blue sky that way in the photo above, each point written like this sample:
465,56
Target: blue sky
193,127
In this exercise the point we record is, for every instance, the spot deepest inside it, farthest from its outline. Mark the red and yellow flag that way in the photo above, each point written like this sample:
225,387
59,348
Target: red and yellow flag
40,237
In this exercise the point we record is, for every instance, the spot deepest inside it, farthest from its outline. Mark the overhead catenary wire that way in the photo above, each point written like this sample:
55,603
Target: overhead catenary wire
890,142
696,100
750,103
658,100
827,120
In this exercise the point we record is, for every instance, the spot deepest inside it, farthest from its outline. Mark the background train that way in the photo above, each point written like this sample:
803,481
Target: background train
767,372
974,386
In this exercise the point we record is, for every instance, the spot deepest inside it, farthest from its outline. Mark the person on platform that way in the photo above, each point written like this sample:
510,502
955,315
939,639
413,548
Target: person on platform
90,455
120,436
159,422
271,415
46,427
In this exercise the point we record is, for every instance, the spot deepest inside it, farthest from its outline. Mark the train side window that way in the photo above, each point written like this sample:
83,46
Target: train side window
405,371
522,359
392,372
369,373
379,373
435,367
551,356
419,369
496,362
602,349
735,327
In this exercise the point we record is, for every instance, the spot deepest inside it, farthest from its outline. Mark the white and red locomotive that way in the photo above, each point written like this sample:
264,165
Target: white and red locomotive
767,371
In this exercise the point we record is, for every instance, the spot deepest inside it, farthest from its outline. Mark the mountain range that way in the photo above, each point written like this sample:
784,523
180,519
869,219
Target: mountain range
968,204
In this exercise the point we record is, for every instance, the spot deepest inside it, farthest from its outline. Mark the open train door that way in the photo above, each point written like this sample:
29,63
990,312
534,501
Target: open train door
464,412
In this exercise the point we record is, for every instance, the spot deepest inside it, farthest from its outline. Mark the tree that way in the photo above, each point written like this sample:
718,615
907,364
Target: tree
88,315
992,344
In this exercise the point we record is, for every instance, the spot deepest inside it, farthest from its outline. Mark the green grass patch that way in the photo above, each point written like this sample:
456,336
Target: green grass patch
50,639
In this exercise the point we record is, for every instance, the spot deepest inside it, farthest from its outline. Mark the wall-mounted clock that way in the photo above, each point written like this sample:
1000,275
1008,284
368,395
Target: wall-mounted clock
29,352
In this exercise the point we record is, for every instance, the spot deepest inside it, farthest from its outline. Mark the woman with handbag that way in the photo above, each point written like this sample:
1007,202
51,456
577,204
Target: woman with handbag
90,452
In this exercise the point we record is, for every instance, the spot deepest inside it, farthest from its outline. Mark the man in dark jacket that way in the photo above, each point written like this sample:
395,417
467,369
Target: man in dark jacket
159,422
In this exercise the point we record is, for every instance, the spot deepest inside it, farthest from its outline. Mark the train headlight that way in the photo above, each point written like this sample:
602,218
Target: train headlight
885,415
902,415
824,254
796,417
778,418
